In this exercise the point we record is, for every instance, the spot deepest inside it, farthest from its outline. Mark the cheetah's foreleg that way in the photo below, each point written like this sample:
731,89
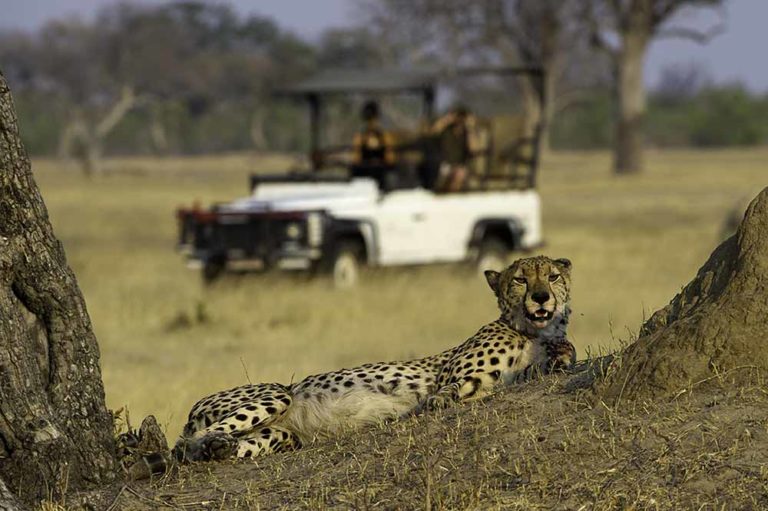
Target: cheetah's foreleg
471,387
443,398
561,356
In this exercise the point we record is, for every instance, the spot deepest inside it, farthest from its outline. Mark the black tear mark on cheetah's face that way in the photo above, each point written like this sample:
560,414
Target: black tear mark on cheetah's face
534,295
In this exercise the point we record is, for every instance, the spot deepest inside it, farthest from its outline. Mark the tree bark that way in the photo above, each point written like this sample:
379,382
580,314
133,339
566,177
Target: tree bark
55,430
8,501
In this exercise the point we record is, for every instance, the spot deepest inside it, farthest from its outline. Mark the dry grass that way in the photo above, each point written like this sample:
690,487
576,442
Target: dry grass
530,447
166,340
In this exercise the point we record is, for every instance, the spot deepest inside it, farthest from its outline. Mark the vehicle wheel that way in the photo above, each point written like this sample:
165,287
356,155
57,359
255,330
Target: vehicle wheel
493,255
212,270
345,266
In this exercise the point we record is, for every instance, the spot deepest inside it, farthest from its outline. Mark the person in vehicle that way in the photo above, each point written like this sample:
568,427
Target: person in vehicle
455,131
373,149
373,145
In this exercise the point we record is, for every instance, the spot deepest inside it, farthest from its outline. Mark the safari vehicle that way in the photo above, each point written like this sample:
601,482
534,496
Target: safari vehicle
337,216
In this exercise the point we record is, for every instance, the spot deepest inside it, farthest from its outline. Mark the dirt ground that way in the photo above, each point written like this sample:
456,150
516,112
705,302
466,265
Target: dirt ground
166,341
540,445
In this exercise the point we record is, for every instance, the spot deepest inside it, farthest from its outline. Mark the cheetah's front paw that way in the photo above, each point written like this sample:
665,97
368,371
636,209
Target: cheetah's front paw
218,446
561,355
214,446
437,402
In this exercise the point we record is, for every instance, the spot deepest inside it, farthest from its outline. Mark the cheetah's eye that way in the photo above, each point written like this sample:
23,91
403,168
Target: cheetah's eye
520,280
554,277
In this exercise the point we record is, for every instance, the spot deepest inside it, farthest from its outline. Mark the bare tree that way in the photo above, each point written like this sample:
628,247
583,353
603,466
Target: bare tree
84,135
623,29
201,56
55,430
174,71
534,33
508,32
72,58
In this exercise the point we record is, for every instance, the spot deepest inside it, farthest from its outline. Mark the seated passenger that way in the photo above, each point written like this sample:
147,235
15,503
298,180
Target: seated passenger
373,145
374,154
457,143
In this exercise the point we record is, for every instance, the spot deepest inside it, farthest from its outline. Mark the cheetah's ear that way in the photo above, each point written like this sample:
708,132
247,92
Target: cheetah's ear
493,280
565,263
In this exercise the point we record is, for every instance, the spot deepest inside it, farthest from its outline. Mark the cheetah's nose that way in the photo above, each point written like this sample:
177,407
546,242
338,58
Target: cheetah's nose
540,297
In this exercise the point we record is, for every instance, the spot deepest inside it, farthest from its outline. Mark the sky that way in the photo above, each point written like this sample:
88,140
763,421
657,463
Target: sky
727,58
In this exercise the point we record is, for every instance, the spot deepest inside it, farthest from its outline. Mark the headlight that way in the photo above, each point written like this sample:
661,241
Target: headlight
314,229
293,231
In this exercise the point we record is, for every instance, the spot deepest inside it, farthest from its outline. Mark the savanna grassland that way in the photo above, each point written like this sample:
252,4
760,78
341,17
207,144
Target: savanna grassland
166,340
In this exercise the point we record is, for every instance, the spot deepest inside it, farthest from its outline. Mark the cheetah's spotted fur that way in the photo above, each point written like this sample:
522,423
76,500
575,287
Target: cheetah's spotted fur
258,419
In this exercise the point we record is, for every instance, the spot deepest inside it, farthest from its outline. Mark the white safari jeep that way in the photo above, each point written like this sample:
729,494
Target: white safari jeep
335,223
338,226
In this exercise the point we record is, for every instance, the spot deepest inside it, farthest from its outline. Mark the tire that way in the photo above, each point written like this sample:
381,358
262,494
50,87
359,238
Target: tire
345,265
493,255
213,270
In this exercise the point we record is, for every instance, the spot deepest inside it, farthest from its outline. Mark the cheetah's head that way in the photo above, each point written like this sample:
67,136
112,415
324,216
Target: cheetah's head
534,294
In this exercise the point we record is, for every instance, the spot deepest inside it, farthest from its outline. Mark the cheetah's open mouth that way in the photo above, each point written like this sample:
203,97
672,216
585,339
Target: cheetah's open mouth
540,318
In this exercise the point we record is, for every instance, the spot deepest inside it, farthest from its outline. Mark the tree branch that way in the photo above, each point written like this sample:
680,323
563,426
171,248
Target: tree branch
697,36
571,97
124,105
592,22
598,42
596,38
661,11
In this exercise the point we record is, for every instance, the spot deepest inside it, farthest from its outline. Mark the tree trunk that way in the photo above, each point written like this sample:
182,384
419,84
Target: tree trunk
157,131
258,137
531,106
55,430
78,142
628,150
552,61
552,68
91,156
545,52
535,111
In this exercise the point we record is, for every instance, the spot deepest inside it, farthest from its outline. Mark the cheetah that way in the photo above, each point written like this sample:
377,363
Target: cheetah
530,335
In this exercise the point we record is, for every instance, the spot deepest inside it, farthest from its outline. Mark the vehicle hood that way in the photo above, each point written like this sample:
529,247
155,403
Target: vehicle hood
306,197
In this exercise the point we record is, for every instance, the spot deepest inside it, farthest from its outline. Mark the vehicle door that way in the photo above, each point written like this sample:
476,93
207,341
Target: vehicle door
404,233
447,227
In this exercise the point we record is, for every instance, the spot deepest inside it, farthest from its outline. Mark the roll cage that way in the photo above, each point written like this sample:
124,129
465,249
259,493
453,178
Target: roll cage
500,164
